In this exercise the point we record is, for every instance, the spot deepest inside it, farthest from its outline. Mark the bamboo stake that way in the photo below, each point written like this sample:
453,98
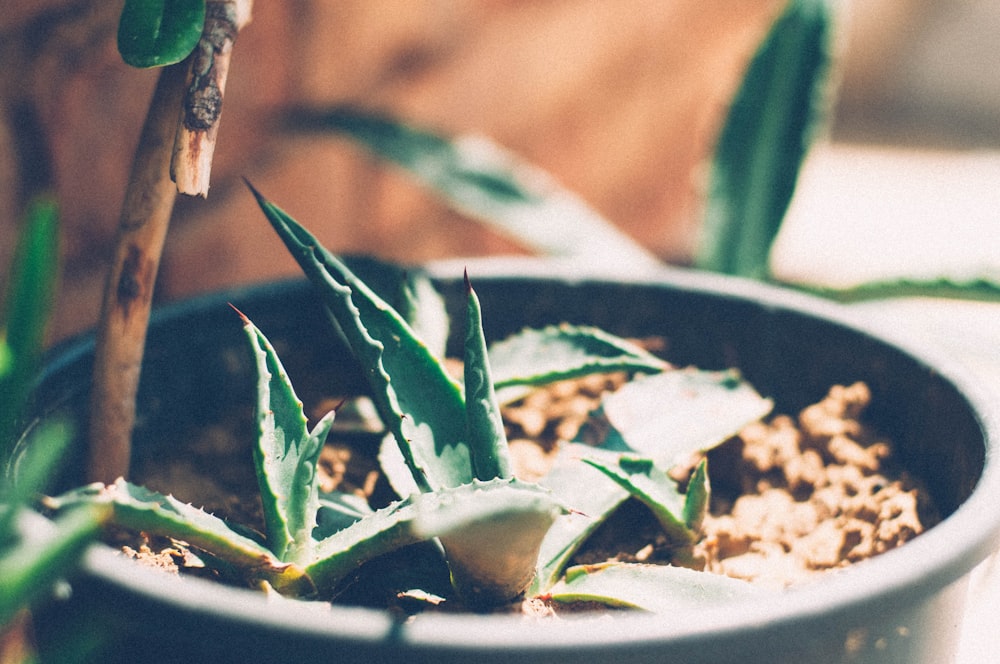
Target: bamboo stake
177,141
128,293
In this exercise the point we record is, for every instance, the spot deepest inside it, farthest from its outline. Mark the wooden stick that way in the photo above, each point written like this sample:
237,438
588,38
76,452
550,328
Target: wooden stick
128,294
178,138
194,145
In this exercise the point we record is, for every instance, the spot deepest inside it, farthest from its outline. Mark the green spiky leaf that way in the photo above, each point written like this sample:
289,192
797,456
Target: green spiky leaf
592,496
655,588
491,533
286,455
560,352
479,521
420,404
137,508
155,33
643,480
675,415
484,426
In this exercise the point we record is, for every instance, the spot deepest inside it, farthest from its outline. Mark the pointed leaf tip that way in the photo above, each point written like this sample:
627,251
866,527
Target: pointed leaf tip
243,316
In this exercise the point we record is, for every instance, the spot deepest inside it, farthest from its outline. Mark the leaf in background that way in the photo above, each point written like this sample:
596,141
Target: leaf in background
32,467
650,485
155,33
43,552
418,401
977,289
484,427
285,456
559,352
765,137
656,588
137,508
482,180
671,416
27,302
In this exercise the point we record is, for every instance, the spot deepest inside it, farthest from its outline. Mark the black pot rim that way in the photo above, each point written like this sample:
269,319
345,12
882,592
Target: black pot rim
921,568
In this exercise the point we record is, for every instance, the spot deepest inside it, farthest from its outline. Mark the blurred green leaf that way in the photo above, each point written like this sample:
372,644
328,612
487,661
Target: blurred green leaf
31,468
155,33
45,550
28,301
766,135
481,179
979,289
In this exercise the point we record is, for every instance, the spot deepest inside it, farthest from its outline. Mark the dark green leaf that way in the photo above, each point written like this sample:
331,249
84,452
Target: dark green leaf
765,137
28,299
338,510
155,33
418,401
699,493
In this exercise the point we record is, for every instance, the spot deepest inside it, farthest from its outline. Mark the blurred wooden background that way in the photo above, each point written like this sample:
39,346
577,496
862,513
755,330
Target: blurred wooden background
620,100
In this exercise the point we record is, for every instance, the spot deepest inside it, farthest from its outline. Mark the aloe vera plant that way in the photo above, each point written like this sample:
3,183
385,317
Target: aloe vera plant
445,452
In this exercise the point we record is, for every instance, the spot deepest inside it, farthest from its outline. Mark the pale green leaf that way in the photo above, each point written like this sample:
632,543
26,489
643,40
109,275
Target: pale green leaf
671,416
655,588
286,455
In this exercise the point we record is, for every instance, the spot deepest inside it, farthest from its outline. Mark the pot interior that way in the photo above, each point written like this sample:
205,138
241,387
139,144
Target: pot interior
791,348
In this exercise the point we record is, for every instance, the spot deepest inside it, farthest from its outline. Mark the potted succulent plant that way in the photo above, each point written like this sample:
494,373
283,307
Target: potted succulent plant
883,609
472,535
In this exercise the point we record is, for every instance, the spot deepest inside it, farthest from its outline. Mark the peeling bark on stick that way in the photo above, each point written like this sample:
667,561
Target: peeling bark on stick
128,294
194,144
